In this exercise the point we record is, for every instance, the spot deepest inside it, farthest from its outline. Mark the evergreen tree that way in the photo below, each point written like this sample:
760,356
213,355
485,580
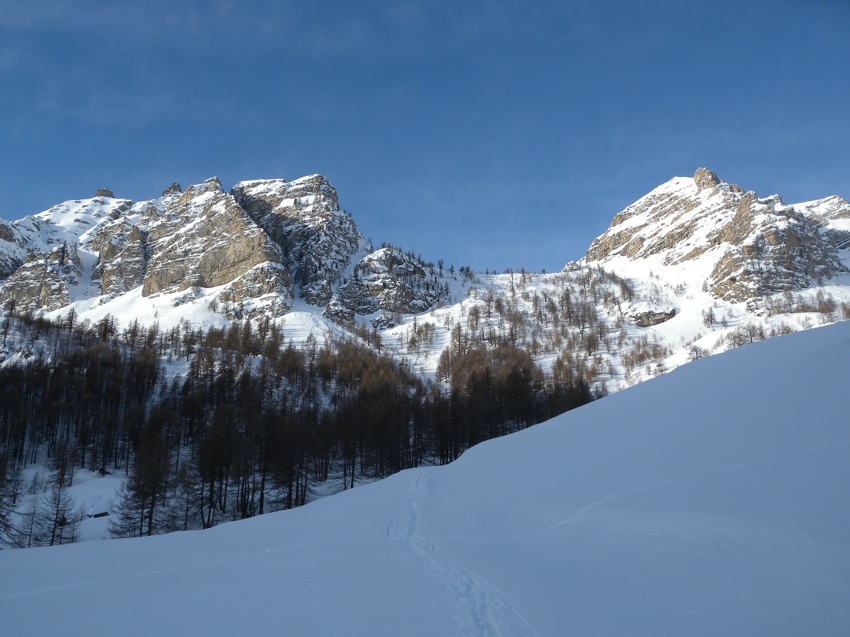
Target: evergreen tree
60,519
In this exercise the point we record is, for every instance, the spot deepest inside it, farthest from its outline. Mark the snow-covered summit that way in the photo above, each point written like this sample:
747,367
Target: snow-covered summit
742,245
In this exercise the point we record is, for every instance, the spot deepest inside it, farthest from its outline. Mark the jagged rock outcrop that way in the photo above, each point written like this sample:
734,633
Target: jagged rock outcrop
704,178
388,280
123,263
303,217
651,317
11,249
752,246
121,260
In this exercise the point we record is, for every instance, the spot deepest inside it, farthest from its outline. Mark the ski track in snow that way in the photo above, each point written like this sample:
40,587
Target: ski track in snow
586,509
484,609
185,567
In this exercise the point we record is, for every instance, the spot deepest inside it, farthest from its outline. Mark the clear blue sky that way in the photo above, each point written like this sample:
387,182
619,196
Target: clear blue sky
488,133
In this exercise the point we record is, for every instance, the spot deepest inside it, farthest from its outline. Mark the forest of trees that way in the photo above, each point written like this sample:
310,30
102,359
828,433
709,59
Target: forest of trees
223,424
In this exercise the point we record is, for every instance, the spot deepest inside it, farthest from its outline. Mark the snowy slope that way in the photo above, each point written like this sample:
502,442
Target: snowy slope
709,501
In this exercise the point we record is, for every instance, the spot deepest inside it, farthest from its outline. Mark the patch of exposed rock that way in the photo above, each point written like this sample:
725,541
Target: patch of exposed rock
265,289
650,318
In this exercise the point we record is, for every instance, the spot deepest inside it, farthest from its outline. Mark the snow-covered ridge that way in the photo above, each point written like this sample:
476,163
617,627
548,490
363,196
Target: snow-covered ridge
682,272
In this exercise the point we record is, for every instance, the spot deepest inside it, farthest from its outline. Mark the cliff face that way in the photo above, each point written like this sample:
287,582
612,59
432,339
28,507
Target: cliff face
386,280
263,244
43,280
203,238
318,240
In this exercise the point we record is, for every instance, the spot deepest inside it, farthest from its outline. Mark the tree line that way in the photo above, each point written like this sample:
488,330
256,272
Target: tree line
228,423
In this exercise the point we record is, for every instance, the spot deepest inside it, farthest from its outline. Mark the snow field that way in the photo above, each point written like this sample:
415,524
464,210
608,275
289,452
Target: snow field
711,500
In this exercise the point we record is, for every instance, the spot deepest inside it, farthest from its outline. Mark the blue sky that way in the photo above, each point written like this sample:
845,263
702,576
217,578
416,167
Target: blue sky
487,133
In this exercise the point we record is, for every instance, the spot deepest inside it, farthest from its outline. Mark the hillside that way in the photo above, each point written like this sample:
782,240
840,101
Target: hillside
709,501
236,353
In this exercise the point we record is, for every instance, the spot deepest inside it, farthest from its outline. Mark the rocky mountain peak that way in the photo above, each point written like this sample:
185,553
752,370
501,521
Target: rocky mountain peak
104,192
751,246
173,189
211,185
704,178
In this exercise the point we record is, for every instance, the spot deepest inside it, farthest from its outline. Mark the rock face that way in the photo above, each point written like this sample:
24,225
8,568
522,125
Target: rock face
387,280
203,238
12,249
264,289
704,178
318,240
257,247
754,246
43,280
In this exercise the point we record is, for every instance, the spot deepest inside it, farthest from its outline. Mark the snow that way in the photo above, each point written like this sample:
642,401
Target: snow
709,501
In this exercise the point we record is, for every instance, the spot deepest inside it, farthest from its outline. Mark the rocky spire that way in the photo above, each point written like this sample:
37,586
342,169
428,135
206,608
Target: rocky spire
704,178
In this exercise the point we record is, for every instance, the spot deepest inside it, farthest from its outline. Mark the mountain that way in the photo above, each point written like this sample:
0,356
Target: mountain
746,247
236,353
709,501
678,271
253,252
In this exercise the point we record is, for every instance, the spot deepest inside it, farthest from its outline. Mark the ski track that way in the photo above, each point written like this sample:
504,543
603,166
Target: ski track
586,509
483,609
185,567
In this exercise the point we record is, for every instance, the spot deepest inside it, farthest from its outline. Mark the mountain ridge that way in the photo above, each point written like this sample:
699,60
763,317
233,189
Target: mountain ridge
287,249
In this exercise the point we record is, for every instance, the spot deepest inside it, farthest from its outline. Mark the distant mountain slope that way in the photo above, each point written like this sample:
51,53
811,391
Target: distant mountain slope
711,501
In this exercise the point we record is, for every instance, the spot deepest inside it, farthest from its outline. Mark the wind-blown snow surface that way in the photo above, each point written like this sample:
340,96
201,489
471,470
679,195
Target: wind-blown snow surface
709,501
